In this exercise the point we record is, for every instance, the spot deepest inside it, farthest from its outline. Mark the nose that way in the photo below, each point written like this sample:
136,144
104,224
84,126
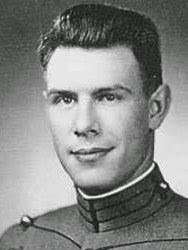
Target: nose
86,123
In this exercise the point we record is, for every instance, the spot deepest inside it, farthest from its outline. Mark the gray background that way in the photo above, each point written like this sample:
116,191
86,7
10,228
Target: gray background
31,178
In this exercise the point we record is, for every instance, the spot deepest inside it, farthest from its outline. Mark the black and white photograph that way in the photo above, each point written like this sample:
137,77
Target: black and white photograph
94,125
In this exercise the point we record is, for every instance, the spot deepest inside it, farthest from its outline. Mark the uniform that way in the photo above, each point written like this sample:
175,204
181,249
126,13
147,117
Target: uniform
147,215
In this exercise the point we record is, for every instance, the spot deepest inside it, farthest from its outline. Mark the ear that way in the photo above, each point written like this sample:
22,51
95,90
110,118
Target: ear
159,104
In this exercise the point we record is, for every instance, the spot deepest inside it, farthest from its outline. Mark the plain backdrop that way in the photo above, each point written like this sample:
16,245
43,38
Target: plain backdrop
32,180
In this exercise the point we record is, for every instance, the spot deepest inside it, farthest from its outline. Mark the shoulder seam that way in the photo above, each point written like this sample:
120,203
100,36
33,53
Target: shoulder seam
143,242
56,232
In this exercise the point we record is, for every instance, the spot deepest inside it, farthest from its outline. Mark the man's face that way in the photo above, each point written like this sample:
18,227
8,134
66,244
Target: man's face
98,115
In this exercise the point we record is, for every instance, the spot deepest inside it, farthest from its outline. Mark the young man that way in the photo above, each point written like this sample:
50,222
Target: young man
105,99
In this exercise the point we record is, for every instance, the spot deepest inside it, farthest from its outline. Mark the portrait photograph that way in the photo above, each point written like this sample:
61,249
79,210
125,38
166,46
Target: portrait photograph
94,124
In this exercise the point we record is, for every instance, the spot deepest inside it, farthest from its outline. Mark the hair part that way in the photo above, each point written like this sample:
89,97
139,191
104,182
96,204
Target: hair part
102,26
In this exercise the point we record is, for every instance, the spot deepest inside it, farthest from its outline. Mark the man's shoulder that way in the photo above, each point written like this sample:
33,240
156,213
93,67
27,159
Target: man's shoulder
16,236
181,201
172,219
57,216
13,236
178,209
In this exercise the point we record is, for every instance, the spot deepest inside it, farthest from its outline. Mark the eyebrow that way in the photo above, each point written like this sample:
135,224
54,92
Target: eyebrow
94,92
113,88
60,92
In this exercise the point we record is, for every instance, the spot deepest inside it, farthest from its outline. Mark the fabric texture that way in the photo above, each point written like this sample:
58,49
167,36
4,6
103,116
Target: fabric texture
147,215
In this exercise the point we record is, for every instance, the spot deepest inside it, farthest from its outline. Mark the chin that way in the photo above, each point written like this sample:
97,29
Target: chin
93,184
94,189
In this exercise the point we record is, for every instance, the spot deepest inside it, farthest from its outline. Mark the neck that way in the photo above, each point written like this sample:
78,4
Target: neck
146,163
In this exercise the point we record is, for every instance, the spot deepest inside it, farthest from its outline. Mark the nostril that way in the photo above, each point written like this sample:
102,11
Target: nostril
93,131
86,133
78,133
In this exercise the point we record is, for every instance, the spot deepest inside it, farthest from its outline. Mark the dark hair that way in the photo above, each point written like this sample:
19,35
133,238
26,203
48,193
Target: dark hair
102,26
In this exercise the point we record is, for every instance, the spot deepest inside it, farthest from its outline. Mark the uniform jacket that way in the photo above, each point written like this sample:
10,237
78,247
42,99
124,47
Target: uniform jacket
147,215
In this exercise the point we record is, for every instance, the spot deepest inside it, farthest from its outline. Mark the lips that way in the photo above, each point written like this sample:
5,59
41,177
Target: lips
90,151
90,155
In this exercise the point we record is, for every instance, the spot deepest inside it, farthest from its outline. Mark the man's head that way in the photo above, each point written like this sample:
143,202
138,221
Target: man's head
104,85
94,26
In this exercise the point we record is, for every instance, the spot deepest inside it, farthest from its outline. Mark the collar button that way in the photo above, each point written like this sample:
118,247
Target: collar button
26,221
163,185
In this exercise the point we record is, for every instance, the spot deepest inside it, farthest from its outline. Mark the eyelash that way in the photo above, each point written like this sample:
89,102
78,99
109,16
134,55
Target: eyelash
57,99
110,97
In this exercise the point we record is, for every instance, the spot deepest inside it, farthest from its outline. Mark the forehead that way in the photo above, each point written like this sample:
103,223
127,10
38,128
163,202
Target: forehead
92,68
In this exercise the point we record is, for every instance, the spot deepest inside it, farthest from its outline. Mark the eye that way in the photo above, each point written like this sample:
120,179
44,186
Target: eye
67,99
63,99
109,97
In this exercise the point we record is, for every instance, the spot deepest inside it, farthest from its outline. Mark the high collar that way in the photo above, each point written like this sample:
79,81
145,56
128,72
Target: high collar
126,207
118,189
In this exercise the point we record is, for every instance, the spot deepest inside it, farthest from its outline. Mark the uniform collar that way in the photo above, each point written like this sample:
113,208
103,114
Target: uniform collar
119,189
126,205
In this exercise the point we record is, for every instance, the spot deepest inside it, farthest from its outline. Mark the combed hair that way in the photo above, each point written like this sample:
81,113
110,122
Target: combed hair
102,26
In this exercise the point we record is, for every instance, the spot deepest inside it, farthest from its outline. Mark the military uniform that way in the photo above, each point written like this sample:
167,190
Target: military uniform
148,215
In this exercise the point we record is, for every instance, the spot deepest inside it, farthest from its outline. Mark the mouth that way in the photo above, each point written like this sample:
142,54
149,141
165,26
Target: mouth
90,155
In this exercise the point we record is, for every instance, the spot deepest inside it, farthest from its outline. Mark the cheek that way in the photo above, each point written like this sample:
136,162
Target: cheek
128,122
59,124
